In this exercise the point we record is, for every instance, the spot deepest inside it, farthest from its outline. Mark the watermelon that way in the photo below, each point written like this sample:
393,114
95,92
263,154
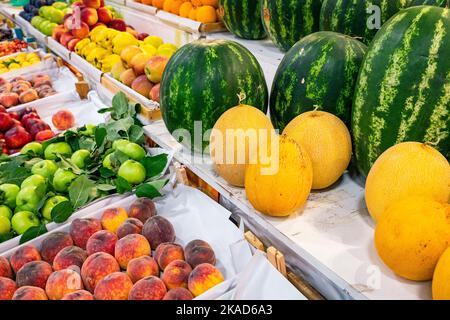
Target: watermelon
202,80
287,21
320,70
439,3
356,18
243,18
403,89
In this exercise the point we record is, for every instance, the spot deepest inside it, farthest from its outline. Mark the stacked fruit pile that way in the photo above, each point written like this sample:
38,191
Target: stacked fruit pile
204,11
50,17
95,251
18,61
13,46
31,9
74,169
20,90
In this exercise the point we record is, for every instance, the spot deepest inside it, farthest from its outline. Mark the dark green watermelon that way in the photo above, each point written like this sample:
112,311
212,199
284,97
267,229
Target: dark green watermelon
439,3
403,90
287,21
356,18
243,18
320,70
202,80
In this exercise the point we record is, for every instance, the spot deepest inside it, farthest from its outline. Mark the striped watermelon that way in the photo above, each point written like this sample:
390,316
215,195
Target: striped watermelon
439,3
287,21
321,69
403,90
202,80
353,17
243,18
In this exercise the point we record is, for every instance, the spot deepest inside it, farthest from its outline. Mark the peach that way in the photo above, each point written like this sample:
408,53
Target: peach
130,247
139,268
82,229
81,32
142,209
23,255
53,244
142,86
66,37
34,273
28,96
3,81
176,274
149,288
63,119
92,3
20,88
62,282
89,16
9,99
204,277
29,293
158,230
138,63
113,218
198,252
127,77
57,32
115,286
101,241
5,88
44,135
71,46
69,256
5,268
41,78
7,288
104,15
154,93
128,53
178,294
154,68
78,295
96,267
129,226
168,252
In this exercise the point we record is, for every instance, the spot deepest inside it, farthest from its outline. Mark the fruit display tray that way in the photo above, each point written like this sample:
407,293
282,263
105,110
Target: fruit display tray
330,243
195,216
63,81
46,62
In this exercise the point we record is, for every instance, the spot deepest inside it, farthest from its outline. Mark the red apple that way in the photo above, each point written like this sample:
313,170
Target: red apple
2,109
30,115
92,3
44,135
81,32
154,93
17,123
15,115
142,36
65,38
72,43
57,32
6,122
17,137
89,16
118,24
104,15
38,127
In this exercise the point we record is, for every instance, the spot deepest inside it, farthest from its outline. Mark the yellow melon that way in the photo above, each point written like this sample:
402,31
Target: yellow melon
407,169
328,143
280,184
441,278
238,133
411,235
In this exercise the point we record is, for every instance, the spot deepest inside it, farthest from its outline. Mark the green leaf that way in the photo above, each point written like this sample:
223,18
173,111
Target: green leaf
106,173
136,134
62,211
79,191
105,187
105,110
147,191
86,143
6,236
119,129
32,233
117,158
100,135
155,165
119,105
15,176
66,163
123,185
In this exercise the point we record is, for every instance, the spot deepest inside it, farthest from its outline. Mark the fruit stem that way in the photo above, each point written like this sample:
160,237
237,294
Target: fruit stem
316,107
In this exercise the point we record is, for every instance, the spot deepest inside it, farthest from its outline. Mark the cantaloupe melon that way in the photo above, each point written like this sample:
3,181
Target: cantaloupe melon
328,143
411,235
281,185
237,134
407,169
441,278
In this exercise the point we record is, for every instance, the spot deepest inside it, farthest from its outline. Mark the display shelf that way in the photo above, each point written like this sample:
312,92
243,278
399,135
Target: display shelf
141,7
330,243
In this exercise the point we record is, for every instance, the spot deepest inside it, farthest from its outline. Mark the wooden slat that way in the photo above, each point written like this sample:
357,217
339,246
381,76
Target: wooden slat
254,241
308,291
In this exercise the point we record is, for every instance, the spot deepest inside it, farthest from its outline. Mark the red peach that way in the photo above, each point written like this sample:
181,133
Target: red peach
142,209
176,274
63,119
139,268
78,295
115,286
101,241
62,282
69,256
23,255
178,294
82,229
198,252
5,268
204,277
130,247
168,252
129,226
44,135
29,293
53,244
149,288
34,273
96,267
158,230
113,218
7,288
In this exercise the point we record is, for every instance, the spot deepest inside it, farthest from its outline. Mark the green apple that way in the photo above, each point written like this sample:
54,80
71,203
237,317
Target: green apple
45,168
62,179
5,211
28,199
50,204
35,180
5,225
134,151
89,130
132,171
35,148
107,162
8,194
30,163
24,220
120,144
62,148
79,158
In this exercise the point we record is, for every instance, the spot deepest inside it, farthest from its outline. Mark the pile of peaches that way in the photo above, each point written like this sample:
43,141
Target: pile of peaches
111,259
20,90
